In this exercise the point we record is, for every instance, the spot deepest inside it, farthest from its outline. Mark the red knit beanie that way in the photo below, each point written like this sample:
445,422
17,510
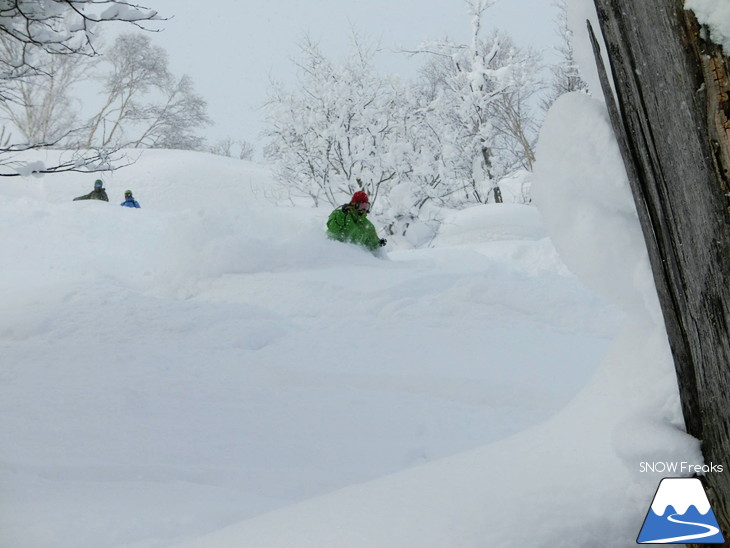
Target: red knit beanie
358,197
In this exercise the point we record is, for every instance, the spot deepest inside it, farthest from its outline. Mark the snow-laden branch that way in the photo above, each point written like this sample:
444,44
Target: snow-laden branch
64,26
85,161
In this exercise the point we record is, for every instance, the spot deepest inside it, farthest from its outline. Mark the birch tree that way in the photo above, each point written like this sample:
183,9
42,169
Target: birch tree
41,106
59,28
145,105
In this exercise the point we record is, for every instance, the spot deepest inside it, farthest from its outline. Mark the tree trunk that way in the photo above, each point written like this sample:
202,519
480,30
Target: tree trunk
671,122
487,159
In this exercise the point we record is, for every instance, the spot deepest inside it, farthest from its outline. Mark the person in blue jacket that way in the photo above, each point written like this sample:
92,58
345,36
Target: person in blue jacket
129,200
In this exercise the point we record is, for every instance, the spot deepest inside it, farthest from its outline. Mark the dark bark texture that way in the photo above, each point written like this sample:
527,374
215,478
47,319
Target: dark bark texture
670,114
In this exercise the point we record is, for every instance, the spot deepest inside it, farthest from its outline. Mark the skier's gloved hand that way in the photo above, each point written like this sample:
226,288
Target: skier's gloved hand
383,241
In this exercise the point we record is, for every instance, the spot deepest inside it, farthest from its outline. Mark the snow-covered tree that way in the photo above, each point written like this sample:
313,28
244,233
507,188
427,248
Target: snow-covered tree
233,148
565,74
337,132
431,154
481,106
514,122
445,141
245,150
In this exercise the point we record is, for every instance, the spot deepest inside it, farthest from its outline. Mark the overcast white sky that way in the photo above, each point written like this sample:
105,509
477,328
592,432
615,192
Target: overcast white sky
232,47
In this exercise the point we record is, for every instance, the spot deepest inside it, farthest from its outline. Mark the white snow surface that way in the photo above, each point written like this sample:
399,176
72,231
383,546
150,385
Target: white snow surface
210,370
716,15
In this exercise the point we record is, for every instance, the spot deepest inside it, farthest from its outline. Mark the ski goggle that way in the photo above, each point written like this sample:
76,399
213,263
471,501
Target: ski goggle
363,206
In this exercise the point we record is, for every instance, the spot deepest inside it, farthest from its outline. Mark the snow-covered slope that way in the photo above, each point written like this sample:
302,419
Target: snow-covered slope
211,356
574,480
173,372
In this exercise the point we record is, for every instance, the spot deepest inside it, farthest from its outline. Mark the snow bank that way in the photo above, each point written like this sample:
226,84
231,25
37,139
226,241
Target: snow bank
490,222
582,192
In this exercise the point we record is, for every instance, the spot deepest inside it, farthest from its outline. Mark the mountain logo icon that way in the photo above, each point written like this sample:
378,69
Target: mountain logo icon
680,513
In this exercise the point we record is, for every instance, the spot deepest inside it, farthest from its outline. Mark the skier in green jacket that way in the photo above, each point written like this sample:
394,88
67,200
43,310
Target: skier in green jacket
99,193
349,223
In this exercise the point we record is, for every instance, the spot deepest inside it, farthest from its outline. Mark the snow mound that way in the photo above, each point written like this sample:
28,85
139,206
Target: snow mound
201,217
581,189
490,222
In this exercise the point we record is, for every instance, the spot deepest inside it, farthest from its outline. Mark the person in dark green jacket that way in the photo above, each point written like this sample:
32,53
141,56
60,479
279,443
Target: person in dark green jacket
349,223
99,193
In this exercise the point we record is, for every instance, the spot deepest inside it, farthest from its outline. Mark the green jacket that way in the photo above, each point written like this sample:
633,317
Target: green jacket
96,194
345,224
